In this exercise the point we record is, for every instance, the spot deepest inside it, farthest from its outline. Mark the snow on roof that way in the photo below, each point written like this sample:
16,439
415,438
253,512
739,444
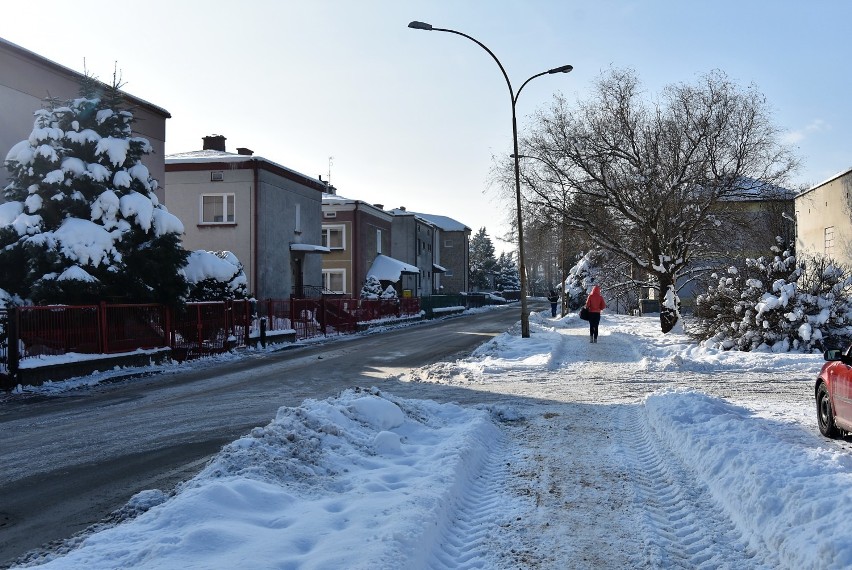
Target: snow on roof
332,198
219,155
202,156
438,268
445,223
310,248
756,192
386,268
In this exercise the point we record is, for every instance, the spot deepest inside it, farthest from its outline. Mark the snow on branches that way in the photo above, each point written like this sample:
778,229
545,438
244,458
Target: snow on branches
82,222
778,303
581,278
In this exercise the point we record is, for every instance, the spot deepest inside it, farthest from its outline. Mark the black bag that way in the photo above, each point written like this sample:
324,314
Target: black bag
584,314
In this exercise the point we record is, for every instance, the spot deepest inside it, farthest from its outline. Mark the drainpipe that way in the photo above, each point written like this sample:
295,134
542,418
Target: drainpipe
255,229
356,259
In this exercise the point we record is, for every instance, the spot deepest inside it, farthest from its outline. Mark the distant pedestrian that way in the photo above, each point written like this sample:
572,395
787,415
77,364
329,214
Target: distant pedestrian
553,297
595,304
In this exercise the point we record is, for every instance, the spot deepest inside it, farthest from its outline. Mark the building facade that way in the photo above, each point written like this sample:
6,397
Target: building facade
355,233
268,215
413,242
824,219
452,254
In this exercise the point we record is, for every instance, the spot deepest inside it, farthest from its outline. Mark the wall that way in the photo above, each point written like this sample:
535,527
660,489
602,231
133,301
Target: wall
277,229
454,258
183,199
342,258
825,206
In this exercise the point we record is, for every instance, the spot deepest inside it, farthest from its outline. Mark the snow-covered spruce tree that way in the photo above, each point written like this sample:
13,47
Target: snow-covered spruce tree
779,303
372,288
389,293
581,278
82,223
215,276
482,260
508,278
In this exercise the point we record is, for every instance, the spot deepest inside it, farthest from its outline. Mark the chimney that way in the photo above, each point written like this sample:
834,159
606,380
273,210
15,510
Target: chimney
401,208
244,151
214,142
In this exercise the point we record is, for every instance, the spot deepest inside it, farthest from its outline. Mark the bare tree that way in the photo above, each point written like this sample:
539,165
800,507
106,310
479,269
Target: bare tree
648,177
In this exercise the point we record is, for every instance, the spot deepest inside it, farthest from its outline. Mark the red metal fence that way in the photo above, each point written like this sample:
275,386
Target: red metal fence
195,330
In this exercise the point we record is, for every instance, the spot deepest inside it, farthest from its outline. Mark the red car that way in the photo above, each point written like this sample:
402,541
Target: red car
833,393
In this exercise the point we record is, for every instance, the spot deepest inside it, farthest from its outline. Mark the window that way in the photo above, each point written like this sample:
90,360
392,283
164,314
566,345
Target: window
334,280
378,241
448,273
448,243
332,237
298,223
217,209
829,240
217,176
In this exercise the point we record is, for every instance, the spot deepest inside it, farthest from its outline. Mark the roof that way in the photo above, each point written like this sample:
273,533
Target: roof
336,199
824,182
133,100
445,223
386,268
205,159
309,248
759,192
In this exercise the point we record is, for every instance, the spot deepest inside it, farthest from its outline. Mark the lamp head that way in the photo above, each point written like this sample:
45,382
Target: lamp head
420,26
563,69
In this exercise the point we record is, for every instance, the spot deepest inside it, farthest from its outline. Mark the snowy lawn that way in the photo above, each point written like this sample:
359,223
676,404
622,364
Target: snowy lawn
640,451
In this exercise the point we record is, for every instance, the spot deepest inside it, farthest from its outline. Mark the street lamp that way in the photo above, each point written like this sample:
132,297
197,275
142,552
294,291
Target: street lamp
525,317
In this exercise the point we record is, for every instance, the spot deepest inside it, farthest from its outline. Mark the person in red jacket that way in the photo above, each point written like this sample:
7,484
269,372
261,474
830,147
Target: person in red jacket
595,304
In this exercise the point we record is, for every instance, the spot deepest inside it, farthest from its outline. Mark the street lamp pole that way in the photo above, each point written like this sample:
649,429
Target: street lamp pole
555,170
525,317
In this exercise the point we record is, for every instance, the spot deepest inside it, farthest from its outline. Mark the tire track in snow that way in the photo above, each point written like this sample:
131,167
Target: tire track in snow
467,538
683,526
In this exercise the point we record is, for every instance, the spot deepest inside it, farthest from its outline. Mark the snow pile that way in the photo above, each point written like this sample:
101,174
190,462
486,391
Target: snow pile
361,480
786,495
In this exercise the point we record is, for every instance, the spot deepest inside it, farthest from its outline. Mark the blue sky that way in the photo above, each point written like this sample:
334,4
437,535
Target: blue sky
414,118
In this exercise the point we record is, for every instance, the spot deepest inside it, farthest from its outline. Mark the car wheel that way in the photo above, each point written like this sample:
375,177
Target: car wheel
825,416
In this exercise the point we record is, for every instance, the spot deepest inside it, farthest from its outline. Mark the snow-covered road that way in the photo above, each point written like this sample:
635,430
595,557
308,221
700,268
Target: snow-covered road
641,451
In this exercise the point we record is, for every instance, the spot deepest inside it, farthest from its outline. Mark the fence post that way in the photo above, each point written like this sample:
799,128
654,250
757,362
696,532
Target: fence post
198,327
13,356
170,342
324,312
246,321
102,328
263,332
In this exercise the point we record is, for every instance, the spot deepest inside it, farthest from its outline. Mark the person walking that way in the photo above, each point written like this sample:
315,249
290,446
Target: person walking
553,297
595,304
